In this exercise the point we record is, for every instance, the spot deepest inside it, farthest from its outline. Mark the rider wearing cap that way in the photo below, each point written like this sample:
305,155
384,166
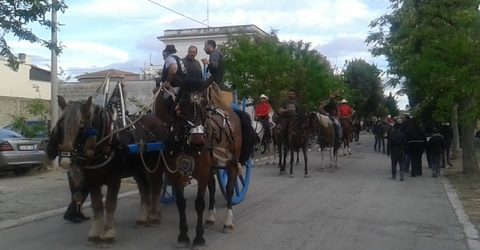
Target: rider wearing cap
262,111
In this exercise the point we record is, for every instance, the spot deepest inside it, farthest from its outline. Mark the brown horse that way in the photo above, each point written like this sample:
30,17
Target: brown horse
207,134
95,156
347,134
326,137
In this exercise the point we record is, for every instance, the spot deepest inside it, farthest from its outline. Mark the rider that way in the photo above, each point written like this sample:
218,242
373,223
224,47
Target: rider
215,64
288,110
174,74
344,110
194,69
389,120
262,111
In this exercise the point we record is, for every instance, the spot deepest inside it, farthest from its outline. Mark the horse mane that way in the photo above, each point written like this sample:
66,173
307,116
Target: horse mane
214,97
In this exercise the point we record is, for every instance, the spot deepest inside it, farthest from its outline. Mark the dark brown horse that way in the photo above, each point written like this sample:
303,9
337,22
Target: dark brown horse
208,134
96,156
381,130
296,138
347,133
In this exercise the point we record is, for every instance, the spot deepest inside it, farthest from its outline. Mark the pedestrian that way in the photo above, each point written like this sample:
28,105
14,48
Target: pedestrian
447,132
78,196
436,147
215,64
405,126
398,145
262,114
416,139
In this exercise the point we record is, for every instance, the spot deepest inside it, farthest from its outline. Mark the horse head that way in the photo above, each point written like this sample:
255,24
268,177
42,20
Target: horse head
77,130
192,108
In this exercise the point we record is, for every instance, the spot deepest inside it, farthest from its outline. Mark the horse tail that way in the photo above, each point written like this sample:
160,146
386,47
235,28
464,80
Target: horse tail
248,136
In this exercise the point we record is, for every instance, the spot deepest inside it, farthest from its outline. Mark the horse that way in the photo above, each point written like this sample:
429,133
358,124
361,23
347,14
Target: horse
207,134
326,136
95,156
381,131
298,135
347,134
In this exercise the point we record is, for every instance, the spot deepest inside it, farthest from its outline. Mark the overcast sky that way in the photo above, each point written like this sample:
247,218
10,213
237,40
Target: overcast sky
122,34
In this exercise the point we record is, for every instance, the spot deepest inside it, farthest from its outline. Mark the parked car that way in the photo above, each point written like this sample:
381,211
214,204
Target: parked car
30,128
18,153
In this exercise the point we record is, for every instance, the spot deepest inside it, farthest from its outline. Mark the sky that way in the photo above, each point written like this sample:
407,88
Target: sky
122,34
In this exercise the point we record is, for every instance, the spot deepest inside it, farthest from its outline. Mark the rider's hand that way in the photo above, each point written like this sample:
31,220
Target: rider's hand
166,85
204,60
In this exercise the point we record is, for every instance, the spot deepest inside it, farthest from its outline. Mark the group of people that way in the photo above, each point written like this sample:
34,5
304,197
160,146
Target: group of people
408,140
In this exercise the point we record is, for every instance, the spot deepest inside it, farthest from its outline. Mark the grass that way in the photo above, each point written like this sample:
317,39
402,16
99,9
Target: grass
467,188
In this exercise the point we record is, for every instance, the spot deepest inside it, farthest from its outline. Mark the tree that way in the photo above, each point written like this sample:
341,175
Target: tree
15,18
391,105
366,90
440,70
271,67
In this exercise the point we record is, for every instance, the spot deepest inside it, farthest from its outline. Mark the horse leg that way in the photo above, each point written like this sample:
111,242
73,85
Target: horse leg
203,181
96,230
305,158
143,189
183,241
292,159
156,184
298,156
110,205
232,176
211,205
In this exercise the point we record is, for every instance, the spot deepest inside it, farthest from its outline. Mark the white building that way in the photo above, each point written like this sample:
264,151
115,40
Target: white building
183,38
17,88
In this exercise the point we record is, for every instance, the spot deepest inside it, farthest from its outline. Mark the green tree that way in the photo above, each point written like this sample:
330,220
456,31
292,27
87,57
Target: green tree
365,85
272,67
432,48
391,105
15,18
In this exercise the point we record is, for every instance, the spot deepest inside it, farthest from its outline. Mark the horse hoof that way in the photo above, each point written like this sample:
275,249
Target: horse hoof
198,243
182,244
306,176
140,223
154,221
291,176
227,229
282,172
209,223
95,239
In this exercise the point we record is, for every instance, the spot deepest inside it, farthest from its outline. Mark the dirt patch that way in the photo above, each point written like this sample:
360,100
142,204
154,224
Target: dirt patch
468,190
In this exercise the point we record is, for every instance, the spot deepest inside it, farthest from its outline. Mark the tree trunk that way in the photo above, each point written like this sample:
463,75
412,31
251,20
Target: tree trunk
470,164
455,141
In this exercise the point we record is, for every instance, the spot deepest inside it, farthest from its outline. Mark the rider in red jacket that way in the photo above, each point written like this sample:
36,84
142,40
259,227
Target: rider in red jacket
262,111
344,110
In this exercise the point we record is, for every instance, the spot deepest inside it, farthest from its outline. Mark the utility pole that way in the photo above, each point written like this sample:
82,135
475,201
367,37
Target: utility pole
53,70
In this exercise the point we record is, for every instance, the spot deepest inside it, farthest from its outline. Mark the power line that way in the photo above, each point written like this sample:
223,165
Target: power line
178,13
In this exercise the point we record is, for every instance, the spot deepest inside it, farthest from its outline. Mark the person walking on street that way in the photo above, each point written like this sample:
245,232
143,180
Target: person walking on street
405,126
436,147
398,145
416,145
262,114
447,132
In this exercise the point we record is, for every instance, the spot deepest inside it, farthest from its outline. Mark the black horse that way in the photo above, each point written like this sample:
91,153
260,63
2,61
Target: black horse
381,131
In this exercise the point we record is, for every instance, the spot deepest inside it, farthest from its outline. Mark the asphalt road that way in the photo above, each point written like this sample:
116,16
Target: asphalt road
357,206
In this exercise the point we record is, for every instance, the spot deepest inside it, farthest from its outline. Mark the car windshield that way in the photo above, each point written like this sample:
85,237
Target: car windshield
6,133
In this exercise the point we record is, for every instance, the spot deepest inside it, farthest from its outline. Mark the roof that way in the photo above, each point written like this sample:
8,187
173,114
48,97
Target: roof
103,73
249,29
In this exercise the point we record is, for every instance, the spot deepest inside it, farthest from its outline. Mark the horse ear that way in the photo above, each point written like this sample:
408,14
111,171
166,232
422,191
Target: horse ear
61,102
86,107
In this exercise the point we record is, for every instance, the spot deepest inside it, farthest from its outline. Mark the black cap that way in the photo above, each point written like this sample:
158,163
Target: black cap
170,48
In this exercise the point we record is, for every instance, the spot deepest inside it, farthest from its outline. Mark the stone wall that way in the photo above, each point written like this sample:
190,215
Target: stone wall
137,92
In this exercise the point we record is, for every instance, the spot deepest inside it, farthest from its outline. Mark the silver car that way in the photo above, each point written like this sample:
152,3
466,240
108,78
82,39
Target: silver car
19,154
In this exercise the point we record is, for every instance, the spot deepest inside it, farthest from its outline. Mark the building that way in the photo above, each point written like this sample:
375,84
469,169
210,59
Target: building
18,88
115,75
183,38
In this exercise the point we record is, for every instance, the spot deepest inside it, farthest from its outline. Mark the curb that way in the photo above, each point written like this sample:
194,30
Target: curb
42,215
471,233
